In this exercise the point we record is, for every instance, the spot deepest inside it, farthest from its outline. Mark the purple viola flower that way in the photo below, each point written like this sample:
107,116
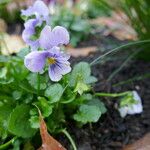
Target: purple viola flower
39,9
56,37
57,60
28,32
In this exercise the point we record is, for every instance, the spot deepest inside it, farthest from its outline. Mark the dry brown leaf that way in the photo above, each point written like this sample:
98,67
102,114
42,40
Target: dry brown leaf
142,144
3,26
77,52
48,142
11,44
118,25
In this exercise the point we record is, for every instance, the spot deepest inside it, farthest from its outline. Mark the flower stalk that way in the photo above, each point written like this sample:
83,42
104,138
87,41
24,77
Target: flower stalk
5,145
64,131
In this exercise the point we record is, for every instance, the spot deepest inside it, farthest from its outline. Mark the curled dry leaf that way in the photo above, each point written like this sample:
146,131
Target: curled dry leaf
10,44
77,52
117,25
48,142
3,26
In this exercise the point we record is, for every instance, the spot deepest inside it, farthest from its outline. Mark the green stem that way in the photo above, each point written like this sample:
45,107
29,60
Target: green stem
70,139
122,65
118,48
111,94
38,83
4,146
137,78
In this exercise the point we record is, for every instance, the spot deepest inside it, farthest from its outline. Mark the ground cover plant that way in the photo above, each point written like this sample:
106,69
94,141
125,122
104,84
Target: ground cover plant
41,77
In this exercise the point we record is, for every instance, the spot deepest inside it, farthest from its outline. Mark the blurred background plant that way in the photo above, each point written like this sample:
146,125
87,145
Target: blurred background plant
138,13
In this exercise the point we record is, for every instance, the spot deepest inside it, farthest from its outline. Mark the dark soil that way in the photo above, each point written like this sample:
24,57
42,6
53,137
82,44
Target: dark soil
112,132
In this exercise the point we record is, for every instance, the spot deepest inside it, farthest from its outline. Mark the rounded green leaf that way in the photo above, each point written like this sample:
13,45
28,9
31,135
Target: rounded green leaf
19,122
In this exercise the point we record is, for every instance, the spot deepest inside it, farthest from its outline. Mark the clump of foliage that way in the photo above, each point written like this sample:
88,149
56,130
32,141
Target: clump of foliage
61,94
138,13
94,8
9,16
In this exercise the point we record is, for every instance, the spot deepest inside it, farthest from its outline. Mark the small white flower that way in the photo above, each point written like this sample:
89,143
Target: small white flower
132,109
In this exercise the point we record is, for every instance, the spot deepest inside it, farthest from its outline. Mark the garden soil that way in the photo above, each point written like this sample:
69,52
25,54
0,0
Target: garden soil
112,132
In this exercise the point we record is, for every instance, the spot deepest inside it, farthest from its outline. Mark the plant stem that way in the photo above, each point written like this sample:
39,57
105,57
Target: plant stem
122,65
111,94
118,48
38,83
137,78
70,139
4,146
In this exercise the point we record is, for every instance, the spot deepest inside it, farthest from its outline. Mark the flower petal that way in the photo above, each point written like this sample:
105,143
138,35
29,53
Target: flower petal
35,60
54,74
58,36
44,37
39,8
64,68
28,32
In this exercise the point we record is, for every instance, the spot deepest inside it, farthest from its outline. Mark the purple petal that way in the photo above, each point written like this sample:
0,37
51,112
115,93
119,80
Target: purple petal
28,32
39,7
64,68
57,70
58,36
54,74
44,37
35,60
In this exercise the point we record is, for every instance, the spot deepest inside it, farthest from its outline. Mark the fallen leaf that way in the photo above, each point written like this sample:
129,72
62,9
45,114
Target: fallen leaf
141,144
10,44
117,25
3,26
48,142
77,52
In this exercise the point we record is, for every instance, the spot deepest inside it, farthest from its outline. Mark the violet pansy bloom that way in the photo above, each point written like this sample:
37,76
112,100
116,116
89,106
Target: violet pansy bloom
40,18
57,60
39,9
56,37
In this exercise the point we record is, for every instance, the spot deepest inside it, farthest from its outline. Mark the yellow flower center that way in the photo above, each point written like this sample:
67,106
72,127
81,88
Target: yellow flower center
51,60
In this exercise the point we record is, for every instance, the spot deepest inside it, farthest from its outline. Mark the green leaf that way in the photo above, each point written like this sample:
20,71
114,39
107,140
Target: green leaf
17,94
23,52
4,59
127,99
81,72
81,87
35,122
5,111
19,122
45,107
33,81
54,92
3,72
99,104
87,113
